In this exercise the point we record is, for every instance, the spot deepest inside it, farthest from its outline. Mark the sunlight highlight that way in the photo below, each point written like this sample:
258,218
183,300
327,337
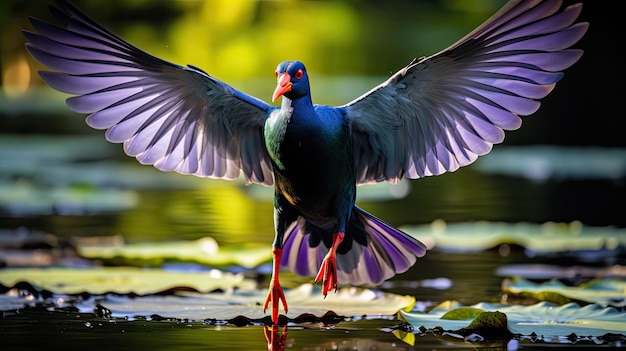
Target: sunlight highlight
16,77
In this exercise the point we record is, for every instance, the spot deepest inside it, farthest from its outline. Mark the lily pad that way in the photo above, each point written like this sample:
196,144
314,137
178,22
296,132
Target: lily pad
546,162
462,313
231,295
541,319
28,199
547,271
302,300
27,152
604,292
50,162
544,239
202,251
121,280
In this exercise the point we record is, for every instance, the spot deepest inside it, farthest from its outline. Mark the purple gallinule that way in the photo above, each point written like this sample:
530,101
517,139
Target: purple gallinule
433,116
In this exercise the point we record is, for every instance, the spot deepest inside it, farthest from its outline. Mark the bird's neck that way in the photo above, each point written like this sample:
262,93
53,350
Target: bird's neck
301,104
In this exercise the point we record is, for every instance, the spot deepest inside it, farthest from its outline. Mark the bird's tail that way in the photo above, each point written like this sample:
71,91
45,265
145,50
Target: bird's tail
372,252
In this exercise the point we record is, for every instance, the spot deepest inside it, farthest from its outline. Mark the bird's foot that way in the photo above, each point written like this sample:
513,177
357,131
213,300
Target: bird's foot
328,274
275,294
328,269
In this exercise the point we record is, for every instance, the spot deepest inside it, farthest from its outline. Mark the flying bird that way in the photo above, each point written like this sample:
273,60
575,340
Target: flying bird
433,116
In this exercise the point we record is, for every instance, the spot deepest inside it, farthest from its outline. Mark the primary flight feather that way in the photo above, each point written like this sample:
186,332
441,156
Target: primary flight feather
435,115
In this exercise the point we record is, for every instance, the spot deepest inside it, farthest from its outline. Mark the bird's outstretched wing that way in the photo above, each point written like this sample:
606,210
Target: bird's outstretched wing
441,112
173,117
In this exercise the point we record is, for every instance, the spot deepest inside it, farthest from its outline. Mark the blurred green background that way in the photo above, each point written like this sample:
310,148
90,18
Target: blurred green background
349,47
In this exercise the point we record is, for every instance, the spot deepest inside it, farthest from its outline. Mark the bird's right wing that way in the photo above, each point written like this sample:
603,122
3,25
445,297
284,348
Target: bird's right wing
175,118
441,112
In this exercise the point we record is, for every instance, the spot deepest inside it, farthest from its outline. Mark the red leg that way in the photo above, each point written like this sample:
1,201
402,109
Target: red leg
328,269
275,293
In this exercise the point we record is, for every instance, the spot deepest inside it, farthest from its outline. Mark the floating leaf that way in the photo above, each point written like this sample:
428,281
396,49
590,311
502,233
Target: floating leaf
202,251
231,295
27,199
61,161
542,319
305,299
121,280
545,239
543,162
546,271
462,313
604,292
28,152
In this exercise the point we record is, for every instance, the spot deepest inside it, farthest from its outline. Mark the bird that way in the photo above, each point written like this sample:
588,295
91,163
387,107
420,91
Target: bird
435,115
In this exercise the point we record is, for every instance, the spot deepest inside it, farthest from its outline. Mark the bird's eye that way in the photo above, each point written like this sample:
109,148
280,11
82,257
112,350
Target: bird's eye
299,74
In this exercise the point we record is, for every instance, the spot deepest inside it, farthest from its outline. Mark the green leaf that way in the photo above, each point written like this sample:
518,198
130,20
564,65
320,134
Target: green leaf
543,162
548,271
231,296
604,292
203,251
543,239
30,199
121,280
541,319
462,313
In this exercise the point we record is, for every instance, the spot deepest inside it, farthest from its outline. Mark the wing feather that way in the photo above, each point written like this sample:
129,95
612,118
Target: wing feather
442,112
173,117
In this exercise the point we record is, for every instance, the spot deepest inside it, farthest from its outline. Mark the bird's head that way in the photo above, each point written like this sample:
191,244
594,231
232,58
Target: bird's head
293,81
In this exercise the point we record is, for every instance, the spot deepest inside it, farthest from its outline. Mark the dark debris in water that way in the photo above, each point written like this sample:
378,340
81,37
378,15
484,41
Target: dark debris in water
46,301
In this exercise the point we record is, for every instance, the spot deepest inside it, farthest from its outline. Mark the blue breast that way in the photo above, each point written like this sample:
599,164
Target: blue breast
313,158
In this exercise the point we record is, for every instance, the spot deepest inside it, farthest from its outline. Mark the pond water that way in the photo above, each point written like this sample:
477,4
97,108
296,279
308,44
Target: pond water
63,186
473,278
58,191
50,186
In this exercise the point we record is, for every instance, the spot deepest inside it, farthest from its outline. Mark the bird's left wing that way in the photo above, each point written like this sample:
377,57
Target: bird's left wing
441,112
173,117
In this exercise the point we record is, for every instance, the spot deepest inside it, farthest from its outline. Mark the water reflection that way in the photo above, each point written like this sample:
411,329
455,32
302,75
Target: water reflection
276,338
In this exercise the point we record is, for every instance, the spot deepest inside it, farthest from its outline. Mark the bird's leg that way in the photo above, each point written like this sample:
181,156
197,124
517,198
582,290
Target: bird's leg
275,293
328,269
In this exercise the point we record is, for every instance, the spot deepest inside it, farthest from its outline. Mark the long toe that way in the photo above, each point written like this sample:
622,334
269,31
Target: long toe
275,295
328,274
